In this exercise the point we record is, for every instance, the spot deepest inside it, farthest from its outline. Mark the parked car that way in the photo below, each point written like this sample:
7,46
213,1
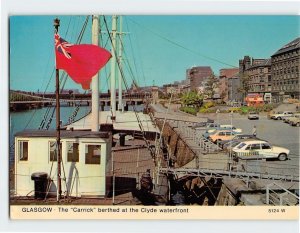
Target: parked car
286,119
272,113
221,135
203,123
230,145
207,133
212,128
199,125
262,149
212,125
231,127
210,120
223,127
237,138
295,121
253,116
279,116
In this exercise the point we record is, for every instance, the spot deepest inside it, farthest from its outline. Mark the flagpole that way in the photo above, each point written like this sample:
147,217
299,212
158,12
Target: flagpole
113,69
56,25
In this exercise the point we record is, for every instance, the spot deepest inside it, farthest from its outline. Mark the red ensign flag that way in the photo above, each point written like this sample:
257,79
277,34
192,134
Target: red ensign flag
81,62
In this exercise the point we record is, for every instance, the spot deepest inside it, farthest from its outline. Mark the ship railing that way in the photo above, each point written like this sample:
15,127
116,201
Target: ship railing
281,196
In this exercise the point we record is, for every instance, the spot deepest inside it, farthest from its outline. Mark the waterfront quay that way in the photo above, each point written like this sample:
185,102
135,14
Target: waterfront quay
208,160
275,132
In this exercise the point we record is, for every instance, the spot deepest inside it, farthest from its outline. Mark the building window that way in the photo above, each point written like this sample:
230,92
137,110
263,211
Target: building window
269,78
23,150
92,154
52,151
73,152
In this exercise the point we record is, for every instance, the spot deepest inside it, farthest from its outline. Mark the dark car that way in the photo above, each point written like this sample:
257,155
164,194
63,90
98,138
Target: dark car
203,123
210,120
237,138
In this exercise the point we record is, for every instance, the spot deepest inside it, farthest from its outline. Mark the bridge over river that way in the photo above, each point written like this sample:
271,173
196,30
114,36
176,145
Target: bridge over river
26,100
202,158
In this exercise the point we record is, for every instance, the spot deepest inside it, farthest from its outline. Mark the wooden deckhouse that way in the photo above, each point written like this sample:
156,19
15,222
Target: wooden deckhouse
85,156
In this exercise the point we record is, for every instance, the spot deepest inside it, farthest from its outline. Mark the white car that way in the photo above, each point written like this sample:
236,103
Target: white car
253,116
279,116
258,148
225,127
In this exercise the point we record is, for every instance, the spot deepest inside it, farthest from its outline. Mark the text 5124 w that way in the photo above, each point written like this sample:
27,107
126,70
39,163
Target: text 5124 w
276,210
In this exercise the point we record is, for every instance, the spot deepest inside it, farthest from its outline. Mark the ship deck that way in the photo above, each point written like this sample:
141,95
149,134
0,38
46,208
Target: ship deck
125,121
128,163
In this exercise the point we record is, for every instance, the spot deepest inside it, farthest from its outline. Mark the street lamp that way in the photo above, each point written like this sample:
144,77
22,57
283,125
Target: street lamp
217,112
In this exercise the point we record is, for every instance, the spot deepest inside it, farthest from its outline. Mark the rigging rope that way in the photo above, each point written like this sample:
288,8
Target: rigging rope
179,45
126,86
134,60
162,129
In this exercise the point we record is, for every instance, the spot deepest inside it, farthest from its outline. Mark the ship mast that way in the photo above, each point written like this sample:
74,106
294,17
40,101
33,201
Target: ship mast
113,69
120,105
95,79
58,149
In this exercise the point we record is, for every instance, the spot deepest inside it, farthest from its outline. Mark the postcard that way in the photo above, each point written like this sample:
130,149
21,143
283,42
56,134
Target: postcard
146,116
154,117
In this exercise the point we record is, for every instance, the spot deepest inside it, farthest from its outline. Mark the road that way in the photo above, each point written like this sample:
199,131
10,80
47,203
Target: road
276,133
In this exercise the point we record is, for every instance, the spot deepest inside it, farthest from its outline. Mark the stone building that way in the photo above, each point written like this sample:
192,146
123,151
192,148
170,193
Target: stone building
247,61
285,71
196,75
234,94
259,79
245,69
225,74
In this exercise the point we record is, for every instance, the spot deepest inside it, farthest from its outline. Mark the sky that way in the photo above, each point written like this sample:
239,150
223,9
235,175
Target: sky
157,49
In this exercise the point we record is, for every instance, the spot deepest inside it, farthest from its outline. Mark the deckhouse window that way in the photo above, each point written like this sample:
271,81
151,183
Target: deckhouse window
52,151
73,152
23,150
92,154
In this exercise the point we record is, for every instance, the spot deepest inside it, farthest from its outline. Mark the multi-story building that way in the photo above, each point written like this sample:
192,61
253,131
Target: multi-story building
223,81
259,79
251,72
234,94
247,61
171,88
229,72
196,75
285,71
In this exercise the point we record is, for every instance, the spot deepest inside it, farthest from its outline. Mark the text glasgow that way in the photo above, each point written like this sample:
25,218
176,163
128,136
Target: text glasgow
36,209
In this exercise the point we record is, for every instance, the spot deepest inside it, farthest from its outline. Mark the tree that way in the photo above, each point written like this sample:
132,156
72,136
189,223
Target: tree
192,99
210,86
244,88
